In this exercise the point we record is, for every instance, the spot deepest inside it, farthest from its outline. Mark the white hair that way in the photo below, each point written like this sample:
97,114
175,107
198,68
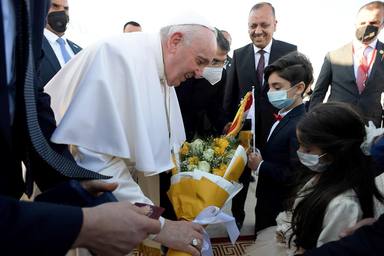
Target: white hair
188,30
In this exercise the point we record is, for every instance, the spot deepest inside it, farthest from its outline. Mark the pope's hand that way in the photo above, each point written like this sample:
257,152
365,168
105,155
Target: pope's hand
97,187
179,235
114,228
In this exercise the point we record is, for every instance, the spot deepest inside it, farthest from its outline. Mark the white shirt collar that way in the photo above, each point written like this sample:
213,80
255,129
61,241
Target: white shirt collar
52,37
357,45
267,48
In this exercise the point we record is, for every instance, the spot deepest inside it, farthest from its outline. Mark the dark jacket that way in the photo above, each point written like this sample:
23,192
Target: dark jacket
29,228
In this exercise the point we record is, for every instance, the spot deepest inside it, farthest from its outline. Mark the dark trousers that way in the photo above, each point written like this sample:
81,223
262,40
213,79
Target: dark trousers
238,201
165,183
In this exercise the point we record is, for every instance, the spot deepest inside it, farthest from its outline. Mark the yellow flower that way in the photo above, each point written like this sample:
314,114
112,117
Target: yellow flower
193,160
184,149
220,171
221,142
219,151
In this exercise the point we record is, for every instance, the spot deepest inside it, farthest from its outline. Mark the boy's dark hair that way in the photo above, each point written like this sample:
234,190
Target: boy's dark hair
294,67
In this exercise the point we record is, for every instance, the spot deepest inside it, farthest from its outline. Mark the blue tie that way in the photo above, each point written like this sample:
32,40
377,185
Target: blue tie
63,50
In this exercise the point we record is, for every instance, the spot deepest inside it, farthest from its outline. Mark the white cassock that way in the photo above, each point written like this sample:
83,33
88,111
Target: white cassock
114,108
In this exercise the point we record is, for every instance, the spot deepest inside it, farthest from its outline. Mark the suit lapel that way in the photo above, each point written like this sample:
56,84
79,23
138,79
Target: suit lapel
377,63
275,52
293,113
75,48
273,56
345,59
249,59
50,55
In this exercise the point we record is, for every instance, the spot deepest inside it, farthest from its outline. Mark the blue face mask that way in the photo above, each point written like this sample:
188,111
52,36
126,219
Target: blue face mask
279,99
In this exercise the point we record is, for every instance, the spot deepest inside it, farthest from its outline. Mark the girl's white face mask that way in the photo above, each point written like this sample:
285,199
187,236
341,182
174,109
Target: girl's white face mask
313,161
213,74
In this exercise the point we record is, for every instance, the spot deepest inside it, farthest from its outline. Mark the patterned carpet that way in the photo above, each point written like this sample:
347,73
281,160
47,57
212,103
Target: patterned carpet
228,249
221,247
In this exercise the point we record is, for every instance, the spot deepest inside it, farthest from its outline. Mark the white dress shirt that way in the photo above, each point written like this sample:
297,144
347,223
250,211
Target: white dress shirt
52,39
283,114
358,47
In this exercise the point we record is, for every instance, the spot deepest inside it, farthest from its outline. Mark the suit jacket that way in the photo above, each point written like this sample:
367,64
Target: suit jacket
32,224
201,106
49,63
367,240
275,173
338,72
242,76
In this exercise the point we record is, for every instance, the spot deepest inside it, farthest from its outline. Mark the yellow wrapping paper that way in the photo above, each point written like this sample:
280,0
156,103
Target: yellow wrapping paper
236,171
191,192
245,139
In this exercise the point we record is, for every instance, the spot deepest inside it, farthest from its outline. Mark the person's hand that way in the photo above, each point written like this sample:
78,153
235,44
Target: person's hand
114,228
254,160
179,235
97,187
351,230
226,127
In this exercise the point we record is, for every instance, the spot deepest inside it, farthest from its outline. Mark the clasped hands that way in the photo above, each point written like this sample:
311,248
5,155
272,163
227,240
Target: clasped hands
179,235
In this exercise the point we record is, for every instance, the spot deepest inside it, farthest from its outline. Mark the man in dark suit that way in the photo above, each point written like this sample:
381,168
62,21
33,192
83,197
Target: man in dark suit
246,71
57,49
355,72
33,228
201,99
288,79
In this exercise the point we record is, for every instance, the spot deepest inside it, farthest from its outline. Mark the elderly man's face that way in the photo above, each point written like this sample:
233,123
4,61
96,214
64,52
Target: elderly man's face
188,59
261,26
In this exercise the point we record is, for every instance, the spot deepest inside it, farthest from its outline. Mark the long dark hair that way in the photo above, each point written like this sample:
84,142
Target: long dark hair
337,130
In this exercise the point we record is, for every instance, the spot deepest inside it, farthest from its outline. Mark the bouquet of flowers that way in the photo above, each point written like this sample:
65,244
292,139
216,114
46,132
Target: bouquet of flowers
212,155
206,176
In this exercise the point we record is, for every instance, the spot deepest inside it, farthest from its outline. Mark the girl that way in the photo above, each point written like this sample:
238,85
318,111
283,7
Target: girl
338,186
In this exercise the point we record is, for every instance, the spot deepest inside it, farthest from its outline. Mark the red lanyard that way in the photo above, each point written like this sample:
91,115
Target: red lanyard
361,65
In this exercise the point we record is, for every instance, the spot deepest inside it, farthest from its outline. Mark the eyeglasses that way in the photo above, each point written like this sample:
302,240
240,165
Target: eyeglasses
219,63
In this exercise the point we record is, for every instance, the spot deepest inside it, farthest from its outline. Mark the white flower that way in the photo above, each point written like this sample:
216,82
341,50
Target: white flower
209,154
204,166
191,167
197,147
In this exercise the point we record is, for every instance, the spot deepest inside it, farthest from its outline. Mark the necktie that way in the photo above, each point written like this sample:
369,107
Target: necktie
362,71
277,117
260,68
56,161
63,50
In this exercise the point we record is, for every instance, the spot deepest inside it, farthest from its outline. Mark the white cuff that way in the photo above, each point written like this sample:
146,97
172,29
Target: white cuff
162,223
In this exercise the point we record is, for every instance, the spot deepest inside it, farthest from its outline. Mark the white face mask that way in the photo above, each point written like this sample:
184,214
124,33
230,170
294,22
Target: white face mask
212,74
313,161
